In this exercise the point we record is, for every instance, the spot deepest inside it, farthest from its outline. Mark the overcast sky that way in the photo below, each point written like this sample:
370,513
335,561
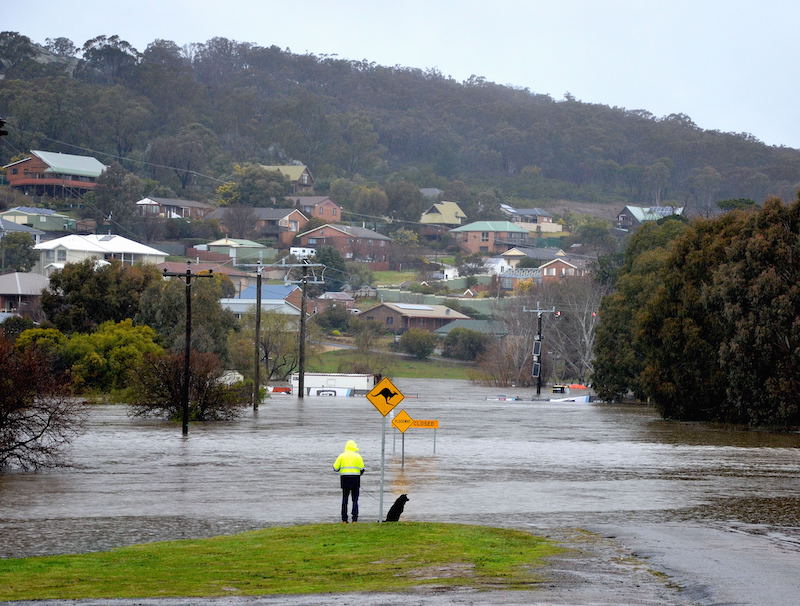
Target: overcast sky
731,65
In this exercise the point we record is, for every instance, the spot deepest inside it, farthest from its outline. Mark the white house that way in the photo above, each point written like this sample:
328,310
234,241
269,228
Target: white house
54,254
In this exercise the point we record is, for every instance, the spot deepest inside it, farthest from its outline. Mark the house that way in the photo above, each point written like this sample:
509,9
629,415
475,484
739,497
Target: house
54,254
443,213
320,207
241,279
282,299
283,224
241,251
354,243
298,176
54,174
9,227
558,269
534,220
399,317
332,299
21,294
173,208
39,218
541,254
488,237
632,217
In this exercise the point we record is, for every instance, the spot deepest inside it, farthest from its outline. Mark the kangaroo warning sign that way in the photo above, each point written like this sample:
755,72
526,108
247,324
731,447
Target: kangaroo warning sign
385,396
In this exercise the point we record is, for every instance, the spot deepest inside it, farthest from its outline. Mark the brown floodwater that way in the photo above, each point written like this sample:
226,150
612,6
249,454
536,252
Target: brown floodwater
526,464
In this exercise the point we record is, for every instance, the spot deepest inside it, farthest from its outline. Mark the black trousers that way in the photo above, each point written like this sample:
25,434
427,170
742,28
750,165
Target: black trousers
350,487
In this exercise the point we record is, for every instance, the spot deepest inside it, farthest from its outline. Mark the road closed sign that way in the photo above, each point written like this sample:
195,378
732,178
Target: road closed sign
385,396
425,423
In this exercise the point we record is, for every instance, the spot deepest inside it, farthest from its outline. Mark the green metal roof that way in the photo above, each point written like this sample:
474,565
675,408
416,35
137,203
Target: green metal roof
82,166
502,226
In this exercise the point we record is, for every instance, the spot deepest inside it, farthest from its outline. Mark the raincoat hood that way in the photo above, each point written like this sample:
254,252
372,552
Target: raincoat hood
351,445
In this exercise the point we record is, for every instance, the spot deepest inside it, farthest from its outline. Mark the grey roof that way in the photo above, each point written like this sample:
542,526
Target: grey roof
30,210
180,202
535,252
19,283
9,226
350,230
84,166
259,213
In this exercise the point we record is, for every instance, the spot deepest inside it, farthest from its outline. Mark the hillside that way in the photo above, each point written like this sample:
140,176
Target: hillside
173,112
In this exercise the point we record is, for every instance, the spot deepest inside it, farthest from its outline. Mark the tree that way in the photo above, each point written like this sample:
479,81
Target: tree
183,156
240,220
17,253
465,344
109,58
84,295
253,185
63,47
335,269
105,359
359,274
157,390
38,419
418,343
113,200
163,307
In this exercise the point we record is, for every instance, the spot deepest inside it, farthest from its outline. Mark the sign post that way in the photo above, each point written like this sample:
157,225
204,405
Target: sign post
384,397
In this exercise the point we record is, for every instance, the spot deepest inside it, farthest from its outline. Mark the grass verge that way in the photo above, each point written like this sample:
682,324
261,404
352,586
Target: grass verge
394,366
316,558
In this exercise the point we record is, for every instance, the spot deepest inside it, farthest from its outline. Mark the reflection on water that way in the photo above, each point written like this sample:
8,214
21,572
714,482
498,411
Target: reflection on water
503,463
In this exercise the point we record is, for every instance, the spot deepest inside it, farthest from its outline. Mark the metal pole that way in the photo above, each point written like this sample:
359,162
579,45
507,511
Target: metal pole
434,440
383,465
257,361
186,354
301,380
403,451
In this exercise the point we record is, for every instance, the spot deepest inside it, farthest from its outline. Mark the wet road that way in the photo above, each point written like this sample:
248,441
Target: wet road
712,507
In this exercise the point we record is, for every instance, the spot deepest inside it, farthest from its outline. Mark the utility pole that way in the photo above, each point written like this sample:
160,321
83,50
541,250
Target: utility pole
304,282
257,361
188,275
536,371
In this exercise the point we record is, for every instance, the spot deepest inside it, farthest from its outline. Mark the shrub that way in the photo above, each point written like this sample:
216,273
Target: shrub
418,343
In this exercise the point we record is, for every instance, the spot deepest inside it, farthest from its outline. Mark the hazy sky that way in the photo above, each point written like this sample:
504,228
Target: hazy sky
731,65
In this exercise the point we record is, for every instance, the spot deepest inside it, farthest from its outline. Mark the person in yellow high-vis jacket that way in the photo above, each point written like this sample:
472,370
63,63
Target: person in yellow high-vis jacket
350,466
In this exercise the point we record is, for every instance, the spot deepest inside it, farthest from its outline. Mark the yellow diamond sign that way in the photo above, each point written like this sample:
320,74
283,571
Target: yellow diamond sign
402,421
385,396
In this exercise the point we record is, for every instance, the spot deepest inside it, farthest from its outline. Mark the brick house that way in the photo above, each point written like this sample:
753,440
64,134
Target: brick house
399,317
54,174
558,269
320,207
354,243
283,224
488,237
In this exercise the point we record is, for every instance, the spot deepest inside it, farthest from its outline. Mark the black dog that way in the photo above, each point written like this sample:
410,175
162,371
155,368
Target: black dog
397,509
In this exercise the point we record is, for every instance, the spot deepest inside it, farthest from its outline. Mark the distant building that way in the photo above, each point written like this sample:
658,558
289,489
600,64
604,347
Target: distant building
54,174
39,218
9,227
21,294
319,207
298,175
241,250
488,237
399,317
173,208
283,224
632,217
354,243
443,213
54,254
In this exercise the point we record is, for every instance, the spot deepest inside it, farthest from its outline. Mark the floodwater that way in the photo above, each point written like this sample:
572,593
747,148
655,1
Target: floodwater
715,508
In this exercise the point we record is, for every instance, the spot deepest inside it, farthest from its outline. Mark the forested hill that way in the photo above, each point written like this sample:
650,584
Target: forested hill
204,107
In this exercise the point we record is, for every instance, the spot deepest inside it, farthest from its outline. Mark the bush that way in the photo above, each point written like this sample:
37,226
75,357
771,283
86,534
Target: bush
418,343
465,344
157,391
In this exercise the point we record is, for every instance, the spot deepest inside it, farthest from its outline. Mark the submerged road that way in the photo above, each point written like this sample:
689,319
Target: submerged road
656,512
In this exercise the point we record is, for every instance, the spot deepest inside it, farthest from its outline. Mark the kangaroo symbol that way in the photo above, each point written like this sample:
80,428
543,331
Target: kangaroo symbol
387,394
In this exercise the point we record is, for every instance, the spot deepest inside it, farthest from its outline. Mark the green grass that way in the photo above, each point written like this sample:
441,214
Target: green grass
318,558
395,366
393,278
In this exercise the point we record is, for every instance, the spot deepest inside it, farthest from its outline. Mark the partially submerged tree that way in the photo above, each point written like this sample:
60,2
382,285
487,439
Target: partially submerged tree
157,390
38,419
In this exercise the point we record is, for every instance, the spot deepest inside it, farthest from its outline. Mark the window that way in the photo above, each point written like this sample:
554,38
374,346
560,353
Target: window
61,254
333,212
14,171
389,320
312,240
42,219
484,236
484,249
293,225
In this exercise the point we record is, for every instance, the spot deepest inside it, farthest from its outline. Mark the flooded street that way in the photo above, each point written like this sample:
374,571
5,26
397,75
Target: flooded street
716,509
